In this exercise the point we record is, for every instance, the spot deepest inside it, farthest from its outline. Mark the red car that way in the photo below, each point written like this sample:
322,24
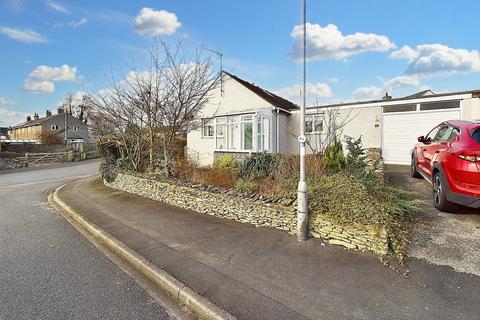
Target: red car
449,158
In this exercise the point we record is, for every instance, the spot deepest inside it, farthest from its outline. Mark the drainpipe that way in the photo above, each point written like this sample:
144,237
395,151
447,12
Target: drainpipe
277,131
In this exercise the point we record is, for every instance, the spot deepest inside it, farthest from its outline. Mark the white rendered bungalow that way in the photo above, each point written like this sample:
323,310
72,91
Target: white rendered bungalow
240,119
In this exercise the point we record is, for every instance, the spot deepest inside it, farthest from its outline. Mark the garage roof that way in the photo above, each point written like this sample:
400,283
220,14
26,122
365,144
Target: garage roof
418,95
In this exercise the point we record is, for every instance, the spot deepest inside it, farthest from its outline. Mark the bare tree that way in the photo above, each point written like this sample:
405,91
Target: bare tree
162,101
332,124
79,107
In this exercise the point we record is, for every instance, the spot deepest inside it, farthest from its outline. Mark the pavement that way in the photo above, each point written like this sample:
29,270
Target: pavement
47,269
262,273
449,239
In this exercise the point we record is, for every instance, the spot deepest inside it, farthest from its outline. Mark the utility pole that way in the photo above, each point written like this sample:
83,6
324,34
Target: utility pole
66,125
302,199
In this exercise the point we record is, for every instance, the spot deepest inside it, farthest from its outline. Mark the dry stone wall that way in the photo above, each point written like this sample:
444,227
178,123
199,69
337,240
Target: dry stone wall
257,211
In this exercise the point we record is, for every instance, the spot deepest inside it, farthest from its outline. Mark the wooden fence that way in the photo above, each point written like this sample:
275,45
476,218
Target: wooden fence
33,158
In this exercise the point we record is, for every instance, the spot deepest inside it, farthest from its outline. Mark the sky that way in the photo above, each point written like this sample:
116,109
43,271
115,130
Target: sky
357,50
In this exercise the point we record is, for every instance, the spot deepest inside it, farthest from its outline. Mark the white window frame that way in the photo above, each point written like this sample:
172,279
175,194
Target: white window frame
255,118
212,124
314,127
54,127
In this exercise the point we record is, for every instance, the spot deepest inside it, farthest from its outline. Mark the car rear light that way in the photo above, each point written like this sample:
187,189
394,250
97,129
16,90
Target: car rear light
469,158
469,155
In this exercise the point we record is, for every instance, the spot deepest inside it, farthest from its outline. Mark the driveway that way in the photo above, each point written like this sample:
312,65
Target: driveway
449,239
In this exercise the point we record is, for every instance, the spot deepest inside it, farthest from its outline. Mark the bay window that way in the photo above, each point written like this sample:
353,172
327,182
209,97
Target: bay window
243,133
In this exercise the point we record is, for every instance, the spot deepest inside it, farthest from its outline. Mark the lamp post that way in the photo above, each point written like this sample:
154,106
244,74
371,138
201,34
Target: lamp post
302,199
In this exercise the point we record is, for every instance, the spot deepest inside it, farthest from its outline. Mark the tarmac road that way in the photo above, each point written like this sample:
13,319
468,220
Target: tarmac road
50,271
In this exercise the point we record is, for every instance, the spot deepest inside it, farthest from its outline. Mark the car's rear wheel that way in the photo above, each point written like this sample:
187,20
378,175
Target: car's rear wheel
439,197
413,168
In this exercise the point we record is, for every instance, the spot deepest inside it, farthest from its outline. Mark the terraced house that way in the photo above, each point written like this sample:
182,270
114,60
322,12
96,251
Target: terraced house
32,128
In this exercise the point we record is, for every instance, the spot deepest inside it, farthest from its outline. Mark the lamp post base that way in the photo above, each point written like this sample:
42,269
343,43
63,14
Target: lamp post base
302,212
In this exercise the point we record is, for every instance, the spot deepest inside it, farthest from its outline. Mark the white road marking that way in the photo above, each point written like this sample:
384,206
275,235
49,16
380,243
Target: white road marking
43,181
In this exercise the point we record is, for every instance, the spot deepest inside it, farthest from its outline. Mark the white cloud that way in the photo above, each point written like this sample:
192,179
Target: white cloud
366,93
153,23
388,85
25,35
329,43
405,53
437,59
11,117
314,91
402,81
73,24
78,23
4,101
56,7
43,78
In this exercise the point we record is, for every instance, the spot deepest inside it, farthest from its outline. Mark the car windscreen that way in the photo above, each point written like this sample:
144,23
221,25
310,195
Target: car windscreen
476,134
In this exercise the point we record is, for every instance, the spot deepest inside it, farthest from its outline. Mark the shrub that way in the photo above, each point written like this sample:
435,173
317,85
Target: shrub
334,158
50,137
244,185
215,177
227,162
259,165
109,153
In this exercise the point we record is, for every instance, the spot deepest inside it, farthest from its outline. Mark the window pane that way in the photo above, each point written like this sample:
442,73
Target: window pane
444,134
221,120
221,139
207,127
431,135
266,134
400,108
259,134
247,118
308,124
233,133
440,105
318,125
247,135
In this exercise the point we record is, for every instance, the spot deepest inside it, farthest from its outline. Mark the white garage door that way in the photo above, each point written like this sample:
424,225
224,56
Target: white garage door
401,130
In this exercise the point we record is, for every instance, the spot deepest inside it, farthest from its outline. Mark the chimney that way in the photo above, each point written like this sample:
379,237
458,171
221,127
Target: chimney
60,110
35,116
387,97
48,113
29,119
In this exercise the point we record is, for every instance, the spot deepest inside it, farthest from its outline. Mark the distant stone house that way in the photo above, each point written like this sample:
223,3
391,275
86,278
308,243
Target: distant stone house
32,128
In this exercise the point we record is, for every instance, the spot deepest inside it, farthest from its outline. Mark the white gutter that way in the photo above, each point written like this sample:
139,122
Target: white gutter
394,102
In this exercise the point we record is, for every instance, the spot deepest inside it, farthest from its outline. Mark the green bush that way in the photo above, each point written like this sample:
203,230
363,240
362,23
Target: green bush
110,154
334,159
227,162
244,185
259,165
359,195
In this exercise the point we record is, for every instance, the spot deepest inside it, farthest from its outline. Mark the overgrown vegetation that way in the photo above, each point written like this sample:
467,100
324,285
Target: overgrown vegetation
109,152
359,195
50,137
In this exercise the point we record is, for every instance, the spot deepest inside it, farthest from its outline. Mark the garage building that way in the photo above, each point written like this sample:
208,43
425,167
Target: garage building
395,124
